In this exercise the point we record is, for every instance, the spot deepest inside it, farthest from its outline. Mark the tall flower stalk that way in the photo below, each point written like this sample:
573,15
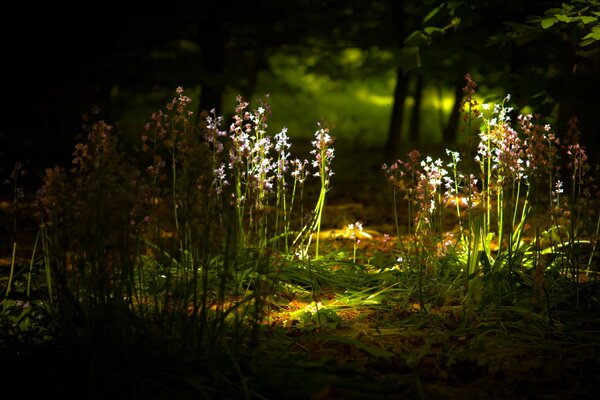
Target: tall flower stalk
323,155
252,166
282,145
471,112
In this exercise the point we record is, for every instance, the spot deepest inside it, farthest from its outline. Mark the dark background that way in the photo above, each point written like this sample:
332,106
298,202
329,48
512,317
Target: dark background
60,60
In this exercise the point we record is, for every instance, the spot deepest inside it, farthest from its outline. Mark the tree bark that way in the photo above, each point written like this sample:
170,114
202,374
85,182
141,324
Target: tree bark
415,115
394,136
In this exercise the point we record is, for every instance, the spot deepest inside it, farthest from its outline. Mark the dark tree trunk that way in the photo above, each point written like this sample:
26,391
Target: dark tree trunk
449,134
395,130
255,62
415,115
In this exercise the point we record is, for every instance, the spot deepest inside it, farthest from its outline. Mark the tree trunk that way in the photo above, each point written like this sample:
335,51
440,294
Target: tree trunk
415,116
255,62
395,130
449,134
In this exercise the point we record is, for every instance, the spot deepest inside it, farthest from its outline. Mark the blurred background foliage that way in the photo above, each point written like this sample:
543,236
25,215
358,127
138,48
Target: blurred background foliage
386,73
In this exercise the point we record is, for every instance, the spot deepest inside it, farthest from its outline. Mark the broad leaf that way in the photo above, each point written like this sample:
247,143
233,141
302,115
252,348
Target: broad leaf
548,22
563,18
587,19
591,37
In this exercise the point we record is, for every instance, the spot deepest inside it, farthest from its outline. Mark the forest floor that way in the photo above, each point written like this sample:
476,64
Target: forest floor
370,351
448,351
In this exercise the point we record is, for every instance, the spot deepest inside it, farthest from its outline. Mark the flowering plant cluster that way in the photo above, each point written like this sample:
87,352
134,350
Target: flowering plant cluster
249,176
514,161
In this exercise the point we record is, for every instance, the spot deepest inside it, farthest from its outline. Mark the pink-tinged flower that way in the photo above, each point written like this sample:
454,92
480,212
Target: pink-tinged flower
541,148
220,178
508,155
299,172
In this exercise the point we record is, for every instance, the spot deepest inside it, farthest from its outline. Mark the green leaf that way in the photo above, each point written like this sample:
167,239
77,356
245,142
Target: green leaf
563,18
548,22
432,30
567,7
417,38
432,13
591,37
587,19
409,58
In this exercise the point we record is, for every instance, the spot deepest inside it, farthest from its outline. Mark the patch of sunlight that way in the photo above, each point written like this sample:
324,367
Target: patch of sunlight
444,102
352,57
315,83
375,99
526,110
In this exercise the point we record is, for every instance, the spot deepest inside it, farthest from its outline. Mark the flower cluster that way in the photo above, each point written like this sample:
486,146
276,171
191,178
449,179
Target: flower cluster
429,185
402,174
180,105
541,146
500,150
250,157
299,172
17,173
282,145
213,132
469,105
354,231
323,154
452,184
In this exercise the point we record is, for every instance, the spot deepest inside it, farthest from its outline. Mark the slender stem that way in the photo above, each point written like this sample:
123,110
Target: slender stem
31,263
319,213
12,270
500,204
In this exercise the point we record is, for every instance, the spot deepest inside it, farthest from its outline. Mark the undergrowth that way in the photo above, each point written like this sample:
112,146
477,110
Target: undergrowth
206,272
